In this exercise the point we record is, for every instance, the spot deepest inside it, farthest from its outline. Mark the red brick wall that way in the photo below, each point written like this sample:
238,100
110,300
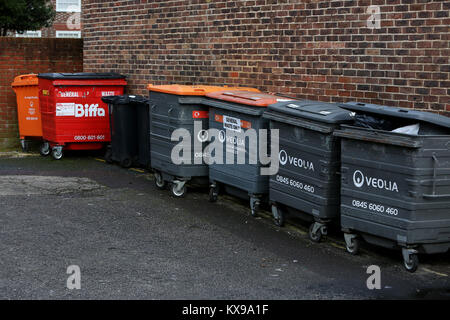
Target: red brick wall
310,49
21,56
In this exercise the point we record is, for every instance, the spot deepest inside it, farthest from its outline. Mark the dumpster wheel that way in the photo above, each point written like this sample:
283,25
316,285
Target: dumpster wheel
57,153
254,205
126,163
108,156
352,243
315,232
25,145
178,188
213,196
213,192
410,260
278,216
44,149
159,181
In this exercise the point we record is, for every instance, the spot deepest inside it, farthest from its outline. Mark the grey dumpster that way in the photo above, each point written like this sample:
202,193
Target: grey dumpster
309,162
175,107
233,112
395,189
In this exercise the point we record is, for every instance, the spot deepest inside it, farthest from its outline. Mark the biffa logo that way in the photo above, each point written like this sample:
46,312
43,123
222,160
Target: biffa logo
88,111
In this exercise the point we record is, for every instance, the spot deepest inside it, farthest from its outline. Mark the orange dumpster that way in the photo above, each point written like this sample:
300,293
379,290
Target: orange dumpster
28,110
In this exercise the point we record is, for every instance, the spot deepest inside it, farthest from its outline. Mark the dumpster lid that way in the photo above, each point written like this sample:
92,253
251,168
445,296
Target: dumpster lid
401,113
196,90
313,110
81,76
25,80
125,99
249,98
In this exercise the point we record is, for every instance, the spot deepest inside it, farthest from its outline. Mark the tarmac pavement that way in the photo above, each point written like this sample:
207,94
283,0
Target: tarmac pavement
133,241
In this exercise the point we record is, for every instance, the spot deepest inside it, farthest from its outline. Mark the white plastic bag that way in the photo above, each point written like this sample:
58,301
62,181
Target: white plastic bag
412,129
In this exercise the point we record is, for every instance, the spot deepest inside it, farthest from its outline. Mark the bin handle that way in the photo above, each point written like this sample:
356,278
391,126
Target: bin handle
433,195
27,76
168,120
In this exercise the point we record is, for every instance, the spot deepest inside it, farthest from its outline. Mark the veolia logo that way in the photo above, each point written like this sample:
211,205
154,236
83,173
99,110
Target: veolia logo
88,111
359,179
297,162
283,157
222,136
202,136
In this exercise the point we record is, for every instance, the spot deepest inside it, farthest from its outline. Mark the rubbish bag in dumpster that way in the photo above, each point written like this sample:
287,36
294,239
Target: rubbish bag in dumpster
395,189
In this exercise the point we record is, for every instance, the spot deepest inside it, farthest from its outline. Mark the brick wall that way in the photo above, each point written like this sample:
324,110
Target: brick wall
21,56
310,49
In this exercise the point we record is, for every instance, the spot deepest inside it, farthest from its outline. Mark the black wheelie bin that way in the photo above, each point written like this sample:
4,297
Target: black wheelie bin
308,179
395,189
127,142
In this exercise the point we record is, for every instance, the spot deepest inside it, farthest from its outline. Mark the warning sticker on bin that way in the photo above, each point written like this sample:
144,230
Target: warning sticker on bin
65,109
231,123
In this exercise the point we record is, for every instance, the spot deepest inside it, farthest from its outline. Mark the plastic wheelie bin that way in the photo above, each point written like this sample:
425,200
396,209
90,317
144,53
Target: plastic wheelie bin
125,134
309,162
143,129
28,111
395,189
231,113
73,114
175,107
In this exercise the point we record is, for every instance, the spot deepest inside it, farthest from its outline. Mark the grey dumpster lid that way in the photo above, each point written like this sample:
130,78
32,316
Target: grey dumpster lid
420,116
312,110
80,76
125,99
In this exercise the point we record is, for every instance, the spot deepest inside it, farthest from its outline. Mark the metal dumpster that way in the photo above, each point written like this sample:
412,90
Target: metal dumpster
234,112
73,114
395,189
175,107
309,162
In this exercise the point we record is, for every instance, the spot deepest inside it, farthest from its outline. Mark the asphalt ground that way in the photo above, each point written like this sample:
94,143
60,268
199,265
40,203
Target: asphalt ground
134,241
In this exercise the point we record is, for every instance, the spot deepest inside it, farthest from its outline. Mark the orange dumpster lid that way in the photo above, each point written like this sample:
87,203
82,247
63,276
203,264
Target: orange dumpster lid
197,90
25,80
256,99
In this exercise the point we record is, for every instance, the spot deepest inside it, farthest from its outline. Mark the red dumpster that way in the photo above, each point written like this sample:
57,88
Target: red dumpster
73,115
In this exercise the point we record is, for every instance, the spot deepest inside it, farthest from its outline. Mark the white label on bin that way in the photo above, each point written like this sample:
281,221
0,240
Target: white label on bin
232,124
65,109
